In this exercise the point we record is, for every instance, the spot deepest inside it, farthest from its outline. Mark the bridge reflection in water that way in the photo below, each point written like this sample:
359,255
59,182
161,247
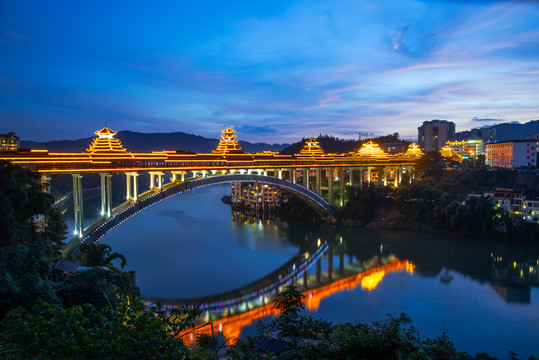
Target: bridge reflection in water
230,313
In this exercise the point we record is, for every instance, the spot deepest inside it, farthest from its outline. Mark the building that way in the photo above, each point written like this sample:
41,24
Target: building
517,200
530,209
433,135
512,154
9,142
509,198
256,196
487,134
468,149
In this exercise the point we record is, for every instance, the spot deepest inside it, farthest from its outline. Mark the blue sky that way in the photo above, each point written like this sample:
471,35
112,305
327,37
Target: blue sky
273,70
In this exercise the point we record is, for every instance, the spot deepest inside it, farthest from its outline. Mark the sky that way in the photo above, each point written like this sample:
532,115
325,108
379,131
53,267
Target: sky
275,71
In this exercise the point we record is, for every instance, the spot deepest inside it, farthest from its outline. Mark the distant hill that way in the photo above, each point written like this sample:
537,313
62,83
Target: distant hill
332,144
512,131
142,142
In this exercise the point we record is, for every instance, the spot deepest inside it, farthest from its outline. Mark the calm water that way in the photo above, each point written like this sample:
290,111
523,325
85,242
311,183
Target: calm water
485,295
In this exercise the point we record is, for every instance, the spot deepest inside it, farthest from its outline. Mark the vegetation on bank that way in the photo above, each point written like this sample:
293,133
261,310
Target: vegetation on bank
439,201
98,313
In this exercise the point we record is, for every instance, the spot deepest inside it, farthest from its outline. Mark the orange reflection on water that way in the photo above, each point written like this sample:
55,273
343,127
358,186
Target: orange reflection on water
368,280
232,326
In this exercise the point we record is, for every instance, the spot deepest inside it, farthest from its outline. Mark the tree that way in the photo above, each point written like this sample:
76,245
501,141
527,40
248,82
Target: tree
86,332
98,287
27,249
293,330
98,254
430,165
363,203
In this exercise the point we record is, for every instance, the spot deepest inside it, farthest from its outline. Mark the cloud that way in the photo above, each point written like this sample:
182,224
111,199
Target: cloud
487,119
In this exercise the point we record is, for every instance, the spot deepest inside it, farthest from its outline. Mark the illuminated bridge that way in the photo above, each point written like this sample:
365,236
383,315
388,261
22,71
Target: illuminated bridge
312,173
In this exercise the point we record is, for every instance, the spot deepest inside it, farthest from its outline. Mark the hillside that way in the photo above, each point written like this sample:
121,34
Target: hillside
515,131
332,144
142,142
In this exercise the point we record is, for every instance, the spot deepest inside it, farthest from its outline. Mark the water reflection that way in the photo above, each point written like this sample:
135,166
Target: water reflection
313,272
510,269
363,262
512,280
230,324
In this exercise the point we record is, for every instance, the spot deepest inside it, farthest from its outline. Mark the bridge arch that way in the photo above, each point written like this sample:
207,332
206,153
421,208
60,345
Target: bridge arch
101,226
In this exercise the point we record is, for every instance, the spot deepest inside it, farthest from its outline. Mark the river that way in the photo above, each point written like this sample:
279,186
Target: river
483,294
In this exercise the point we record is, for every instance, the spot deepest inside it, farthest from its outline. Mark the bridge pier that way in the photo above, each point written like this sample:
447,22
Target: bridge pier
361,176
318,190
159,175
46,183
369,173
132,196
330,187
106,195
182,175
341,187
77,204
394,171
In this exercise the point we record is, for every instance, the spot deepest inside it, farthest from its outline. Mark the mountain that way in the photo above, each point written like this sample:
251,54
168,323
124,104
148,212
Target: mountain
515,131
142,142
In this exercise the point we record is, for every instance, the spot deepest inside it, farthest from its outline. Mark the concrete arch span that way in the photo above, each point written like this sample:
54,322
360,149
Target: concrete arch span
125,211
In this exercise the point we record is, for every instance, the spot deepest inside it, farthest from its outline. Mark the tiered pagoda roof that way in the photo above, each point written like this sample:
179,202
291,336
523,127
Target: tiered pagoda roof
414,150
106,144
371,149
311,148
449,154
228,143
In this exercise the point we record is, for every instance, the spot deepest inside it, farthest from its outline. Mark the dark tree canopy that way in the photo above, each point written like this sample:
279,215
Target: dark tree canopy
30,237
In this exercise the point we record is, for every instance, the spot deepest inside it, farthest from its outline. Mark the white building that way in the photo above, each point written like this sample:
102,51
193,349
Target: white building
512,154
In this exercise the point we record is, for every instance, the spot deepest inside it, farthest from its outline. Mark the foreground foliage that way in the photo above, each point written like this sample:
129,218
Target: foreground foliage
31,233
86,332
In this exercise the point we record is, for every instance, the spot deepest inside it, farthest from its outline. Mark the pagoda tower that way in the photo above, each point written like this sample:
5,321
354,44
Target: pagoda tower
228,143
106,144
371,149
311,148
414,150
449,154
